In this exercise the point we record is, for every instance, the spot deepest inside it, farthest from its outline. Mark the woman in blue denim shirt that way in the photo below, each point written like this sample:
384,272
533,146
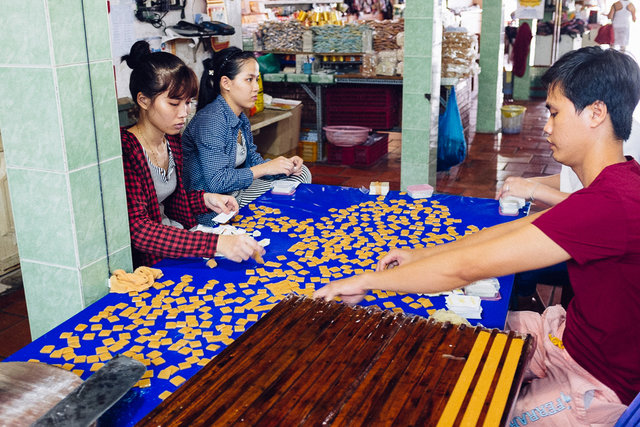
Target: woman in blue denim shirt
219,153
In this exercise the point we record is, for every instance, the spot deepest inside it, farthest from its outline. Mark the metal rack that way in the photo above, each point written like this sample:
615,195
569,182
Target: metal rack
315,94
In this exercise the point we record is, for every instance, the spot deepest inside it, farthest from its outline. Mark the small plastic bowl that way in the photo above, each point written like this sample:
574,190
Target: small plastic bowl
420,191
346,136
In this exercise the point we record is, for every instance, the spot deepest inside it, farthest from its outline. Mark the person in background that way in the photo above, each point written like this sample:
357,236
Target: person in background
161,212
585,368
621,14
219,152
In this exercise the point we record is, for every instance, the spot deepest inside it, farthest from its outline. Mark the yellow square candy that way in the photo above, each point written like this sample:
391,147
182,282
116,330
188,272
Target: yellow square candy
47,349
177,380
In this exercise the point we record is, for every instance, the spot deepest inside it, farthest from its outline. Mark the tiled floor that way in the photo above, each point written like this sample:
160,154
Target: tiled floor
14,324
491,158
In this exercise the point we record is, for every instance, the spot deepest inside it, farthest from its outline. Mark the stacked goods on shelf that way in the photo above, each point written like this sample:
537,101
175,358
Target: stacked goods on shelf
388,45
385,34
387,62
280,36
459,54
372,106
316,17
339,38
400,54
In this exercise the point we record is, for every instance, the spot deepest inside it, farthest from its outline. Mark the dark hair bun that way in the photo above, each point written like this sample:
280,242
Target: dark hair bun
139,50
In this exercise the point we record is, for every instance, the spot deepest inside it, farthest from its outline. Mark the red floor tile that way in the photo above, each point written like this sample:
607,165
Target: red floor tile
11,298
18,307
525,167
14,338
8,320
325,169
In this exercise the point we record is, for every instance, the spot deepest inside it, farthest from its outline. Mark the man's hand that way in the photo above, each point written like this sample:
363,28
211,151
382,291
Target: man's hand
517,187
395,258
351,290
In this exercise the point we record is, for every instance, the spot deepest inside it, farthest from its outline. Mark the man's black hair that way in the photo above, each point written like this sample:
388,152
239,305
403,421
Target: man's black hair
593,74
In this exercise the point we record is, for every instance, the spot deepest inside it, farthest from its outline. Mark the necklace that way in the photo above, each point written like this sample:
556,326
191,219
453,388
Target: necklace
241,147
154,153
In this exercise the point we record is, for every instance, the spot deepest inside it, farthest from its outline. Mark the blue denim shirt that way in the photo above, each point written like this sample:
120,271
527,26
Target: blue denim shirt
209,143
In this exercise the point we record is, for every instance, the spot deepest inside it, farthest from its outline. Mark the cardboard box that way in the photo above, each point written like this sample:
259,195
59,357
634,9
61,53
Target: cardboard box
308,150
280,138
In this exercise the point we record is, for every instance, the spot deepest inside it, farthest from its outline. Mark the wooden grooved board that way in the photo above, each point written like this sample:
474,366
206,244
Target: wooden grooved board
316,362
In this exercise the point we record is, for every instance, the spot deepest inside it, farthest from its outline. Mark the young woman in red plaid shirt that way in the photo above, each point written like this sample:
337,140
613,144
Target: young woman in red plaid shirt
161,212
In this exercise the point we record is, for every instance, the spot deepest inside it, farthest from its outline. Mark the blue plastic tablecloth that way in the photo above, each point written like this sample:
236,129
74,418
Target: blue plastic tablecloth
193,315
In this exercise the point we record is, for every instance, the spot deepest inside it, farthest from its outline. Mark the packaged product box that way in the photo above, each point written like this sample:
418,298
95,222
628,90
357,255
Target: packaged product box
298,78
274,77
280,138
322,78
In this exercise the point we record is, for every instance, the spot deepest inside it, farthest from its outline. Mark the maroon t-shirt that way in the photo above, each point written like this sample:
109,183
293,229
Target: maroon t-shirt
599,227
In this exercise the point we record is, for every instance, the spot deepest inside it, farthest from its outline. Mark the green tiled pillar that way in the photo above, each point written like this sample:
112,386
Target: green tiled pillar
522,85
423,51
490,78
59,122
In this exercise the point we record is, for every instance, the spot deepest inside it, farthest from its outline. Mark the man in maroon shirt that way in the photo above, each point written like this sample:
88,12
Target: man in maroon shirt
586,367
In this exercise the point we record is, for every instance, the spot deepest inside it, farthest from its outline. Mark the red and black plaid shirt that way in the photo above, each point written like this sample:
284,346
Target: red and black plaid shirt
150,240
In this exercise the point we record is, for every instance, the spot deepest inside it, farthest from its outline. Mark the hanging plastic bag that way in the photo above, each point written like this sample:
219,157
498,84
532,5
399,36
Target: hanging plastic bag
269,63
452,147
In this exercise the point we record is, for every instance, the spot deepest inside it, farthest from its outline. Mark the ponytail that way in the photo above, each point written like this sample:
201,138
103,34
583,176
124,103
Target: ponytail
157,72
228,62
208,88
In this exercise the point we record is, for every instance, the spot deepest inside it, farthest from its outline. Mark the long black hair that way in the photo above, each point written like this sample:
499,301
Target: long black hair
228,62
593,74
157,72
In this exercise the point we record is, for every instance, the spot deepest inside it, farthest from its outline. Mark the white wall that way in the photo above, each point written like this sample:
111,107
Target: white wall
126,30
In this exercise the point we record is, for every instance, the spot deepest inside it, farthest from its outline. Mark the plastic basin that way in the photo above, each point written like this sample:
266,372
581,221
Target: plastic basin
346,136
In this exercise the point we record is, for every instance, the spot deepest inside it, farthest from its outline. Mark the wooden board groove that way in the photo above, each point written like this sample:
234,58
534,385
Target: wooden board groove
314,362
